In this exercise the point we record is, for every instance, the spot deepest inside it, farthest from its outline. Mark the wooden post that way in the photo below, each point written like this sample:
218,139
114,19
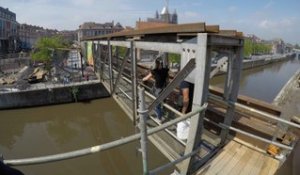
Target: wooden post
202,72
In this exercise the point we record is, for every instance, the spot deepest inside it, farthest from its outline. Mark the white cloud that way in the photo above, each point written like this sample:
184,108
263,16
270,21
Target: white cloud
274,25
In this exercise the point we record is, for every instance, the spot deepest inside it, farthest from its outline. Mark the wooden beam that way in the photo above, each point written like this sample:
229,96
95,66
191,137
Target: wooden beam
180,28
251,102
212,28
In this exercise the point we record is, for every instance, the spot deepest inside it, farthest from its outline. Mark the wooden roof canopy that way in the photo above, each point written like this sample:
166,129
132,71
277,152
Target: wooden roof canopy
190,30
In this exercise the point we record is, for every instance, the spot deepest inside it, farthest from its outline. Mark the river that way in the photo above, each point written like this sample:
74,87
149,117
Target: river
56,129
264,82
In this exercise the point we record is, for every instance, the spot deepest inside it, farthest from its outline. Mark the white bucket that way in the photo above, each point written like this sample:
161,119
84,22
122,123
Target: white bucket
183,128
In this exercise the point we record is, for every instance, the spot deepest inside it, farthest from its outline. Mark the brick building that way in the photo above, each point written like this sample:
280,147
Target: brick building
8,31
90,29
29,34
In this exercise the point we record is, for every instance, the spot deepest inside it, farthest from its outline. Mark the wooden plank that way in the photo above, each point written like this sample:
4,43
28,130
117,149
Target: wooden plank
270,166
258,165
212,28
236,170
237,157
222,152
227,32
239,34
211,137
274,165
230,154
251,161
267,165
170,29
251,102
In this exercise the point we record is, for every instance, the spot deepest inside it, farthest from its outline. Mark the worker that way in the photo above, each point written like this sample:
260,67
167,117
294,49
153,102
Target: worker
187,92
160,75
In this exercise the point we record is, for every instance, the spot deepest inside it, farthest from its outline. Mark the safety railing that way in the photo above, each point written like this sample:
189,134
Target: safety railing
262,114
107,146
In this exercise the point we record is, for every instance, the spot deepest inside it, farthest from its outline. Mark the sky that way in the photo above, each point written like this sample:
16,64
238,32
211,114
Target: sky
268,19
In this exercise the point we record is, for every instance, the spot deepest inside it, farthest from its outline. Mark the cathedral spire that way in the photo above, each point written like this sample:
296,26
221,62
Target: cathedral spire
167,4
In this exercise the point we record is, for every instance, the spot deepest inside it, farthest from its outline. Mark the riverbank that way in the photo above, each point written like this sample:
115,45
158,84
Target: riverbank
53,94
289,97
264,60
254,62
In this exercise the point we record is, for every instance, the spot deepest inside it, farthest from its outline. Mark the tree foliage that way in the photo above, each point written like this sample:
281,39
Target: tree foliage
253,48
45,47
174,58
247,48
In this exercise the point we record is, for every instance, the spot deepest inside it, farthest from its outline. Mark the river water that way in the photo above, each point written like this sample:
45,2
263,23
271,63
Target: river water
264,82
55,129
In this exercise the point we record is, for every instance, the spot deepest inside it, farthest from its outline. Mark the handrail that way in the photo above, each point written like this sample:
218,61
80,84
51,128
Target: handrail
270,116
257,137
222,125
99,148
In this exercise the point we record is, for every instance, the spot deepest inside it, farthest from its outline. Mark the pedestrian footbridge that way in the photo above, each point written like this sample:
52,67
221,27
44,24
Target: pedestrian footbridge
225,128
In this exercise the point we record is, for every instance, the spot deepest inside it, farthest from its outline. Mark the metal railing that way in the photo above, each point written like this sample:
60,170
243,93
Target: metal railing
263,114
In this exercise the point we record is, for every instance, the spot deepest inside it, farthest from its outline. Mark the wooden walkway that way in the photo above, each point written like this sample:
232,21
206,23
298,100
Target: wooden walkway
237,159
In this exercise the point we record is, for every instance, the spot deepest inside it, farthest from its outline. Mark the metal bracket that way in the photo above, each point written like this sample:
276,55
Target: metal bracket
220,66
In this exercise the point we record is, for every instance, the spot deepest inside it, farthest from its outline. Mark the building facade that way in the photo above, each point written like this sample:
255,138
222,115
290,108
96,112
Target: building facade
8,31
69,35
29,34
278,46
90,29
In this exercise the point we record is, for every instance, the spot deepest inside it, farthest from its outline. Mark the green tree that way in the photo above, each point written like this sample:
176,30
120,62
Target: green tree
248,47
251,48
45,47
174,58
297,46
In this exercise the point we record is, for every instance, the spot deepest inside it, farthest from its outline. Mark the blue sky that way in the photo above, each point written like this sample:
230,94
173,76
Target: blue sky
267,19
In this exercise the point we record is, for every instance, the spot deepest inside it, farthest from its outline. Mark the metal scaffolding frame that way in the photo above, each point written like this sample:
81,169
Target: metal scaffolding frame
200,52
196,68
196,56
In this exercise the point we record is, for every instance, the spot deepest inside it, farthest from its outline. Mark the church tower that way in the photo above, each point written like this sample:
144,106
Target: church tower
165,15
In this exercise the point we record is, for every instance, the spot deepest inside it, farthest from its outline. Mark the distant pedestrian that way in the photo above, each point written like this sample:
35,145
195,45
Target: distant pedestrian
160,75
